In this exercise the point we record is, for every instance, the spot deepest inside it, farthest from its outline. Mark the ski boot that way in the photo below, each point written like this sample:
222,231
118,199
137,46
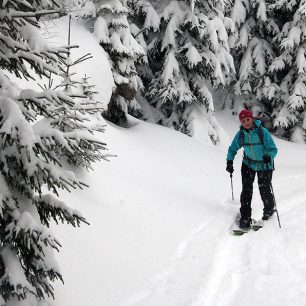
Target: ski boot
268,214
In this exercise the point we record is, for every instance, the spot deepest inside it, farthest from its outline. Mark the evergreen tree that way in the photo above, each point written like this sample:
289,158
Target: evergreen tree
88,88
289,106
68,118
188,57
29,161
111,27
253,49
144,24
269,48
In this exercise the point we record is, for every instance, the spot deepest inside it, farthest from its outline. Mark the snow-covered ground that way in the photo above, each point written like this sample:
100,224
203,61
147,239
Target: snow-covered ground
160,216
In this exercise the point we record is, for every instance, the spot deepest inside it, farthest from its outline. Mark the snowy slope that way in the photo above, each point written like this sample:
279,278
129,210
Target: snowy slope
160,215
140,205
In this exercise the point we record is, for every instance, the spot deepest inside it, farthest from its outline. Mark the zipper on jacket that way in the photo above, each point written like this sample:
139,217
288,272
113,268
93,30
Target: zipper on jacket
251,148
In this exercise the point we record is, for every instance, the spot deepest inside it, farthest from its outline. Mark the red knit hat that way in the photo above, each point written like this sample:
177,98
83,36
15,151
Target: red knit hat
245,114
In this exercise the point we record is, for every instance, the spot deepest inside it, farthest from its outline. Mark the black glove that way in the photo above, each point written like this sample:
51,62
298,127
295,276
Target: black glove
229,166
266,159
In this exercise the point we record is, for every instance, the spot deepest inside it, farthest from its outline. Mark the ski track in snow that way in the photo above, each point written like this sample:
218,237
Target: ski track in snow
221,273
186,261
218,273
161,281
227,275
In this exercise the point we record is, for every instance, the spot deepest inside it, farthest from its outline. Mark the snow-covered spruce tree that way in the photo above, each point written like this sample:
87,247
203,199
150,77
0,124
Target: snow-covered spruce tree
112,30
69,118
88,88
144,24
253,50
188,57
289,106
28,158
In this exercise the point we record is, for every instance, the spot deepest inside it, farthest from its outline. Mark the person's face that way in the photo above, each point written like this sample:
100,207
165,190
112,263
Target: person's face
247,123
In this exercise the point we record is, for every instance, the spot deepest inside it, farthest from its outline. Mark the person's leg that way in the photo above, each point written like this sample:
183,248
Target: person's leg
264,184
248,176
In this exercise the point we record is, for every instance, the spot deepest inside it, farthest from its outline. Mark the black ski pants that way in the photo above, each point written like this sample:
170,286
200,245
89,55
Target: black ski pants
264,184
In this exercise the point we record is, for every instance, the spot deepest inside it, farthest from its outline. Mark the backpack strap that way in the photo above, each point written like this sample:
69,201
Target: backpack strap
260,134
241,137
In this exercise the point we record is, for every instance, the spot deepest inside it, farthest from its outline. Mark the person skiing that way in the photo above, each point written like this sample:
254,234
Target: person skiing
259,153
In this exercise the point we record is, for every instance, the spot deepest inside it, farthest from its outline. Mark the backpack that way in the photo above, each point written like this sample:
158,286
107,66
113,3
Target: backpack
260,134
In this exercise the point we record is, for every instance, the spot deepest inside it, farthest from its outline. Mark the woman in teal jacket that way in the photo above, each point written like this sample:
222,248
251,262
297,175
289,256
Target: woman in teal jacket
258,157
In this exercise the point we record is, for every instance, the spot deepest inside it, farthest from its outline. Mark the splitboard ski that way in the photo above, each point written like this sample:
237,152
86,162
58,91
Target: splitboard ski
255,226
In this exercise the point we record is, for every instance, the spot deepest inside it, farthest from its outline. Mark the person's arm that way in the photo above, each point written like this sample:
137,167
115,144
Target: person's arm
269,144
234,147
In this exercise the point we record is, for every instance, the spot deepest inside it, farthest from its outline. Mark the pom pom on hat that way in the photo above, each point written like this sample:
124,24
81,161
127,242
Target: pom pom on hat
245,114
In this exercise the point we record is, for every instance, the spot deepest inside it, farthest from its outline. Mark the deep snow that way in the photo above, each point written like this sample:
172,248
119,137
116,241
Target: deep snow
160,215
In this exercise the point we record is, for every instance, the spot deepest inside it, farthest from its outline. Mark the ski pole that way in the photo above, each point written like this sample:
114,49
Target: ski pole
272,191
231,175
275,207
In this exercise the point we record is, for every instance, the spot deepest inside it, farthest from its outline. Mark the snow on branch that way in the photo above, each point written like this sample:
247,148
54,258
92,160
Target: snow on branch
14,278
50,207
19,14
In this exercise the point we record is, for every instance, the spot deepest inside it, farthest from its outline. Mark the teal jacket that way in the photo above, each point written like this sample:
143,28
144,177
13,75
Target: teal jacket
254,150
